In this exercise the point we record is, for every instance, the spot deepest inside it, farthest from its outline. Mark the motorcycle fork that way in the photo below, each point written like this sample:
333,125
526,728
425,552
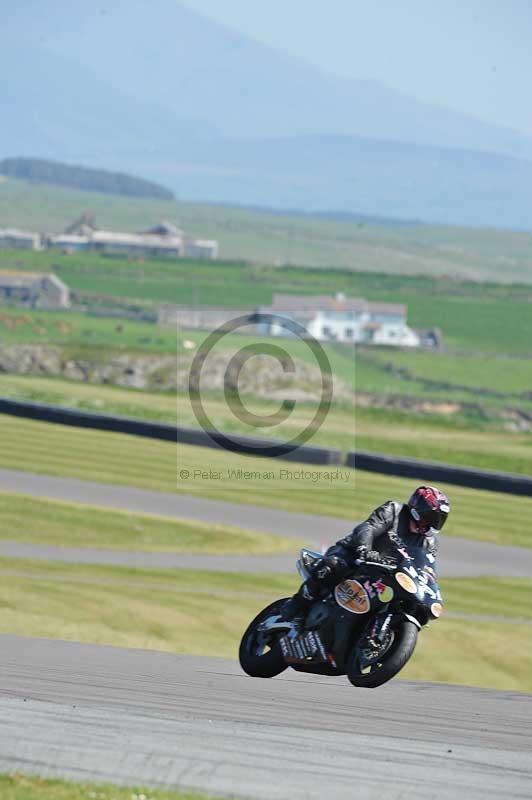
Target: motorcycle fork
348,628
380,626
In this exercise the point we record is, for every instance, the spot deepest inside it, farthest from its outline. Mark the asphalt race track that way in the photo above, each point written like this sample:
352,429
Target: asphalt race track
172,505
458,557
132,716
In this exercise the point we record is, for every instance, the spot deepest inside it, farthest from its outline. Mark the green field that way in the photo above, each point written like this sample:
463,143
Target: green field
25,519
205,613
83,333
484,378
127,460
267,237
472,316
24,787
482,384
474,439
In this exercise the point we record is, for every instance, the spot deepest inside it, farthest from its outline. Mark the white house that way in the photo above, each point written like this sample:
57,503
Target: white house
344,319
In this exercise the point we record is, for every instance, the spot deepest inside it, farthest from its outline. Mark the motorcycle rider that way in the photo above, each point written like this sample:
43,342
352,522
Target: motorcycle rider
378,539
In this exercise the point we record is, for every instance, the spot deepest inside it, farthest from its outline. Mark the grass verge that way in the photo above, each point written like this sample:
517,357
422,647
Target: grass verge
182,611
132,461
490,655
26,519
452,427
24,787
205,613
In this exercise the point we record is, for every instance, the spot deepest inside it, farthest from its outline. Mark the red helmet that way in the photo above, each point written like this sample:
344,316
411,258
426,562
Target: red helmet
429,508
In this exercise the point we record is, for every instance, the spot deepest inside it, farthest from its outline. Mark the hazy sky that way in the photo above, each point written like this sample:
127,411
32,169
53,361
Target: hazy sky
474,56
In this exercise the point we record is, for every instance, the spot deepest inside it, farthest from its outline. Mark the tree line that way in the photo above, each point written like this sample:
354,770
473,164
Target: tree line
84,178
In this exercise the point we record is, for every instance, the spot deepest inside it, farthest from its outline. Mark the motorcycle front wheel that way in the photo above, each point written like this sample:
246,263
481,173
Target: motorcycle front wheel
260,654
370,664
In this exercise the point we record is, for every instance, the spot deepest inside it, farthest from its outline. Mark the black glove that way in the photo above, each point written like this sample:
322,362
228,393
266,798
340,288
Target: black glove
364,554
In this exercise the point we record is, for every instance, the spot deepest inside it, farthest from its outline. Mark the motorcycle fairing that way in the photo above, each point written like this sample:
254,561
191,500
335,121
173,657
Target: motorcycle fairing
306,648
335,629
306,559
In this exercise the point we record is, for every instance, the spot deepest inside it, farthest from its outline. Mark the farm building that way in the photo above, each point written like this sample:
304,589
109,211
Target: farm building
201,249
146,244
201,317
14,239
164,239
166,228
34,289
68,242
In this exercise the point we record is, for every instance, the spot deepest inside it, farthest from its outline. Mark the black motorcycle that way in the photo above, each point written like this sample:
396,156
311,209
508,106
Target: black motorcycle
366,628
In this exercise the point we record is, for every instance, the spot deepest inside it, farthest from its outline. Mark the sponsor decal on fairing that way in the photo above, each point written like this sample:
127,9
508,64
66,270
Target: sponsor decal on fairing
352,596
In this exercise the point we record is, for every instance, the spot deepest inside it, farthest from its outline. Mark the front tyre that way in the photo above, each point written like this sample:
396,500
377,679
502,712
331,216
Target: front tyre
260,654
371,664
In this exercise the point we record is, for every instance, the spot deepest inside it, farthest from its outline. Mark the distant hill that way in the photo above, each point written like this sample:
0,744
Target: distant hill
362,176
159,90
164,55
76,177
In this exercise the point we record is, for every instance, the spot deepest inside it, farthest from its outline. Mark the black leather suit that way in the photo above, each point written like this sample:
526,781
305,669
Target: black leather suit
385,531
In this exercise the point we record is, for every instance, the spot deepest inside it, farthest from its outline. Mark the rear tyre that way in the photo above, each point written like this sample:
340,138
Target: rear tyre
260,654
369,666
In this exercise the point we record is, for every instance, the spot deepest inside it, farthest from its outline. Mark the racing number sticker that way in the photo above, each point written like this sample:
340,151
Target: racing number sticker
352,596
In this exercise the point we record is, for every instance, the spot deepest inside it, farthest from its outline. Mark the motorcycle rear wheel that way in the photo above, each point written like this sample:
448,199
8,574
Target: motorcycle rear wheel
260,655
370,674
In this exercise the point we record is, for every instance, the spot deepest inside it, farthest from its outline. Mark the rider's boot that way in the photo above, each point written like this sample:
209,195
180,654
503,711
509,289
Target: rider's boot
296,608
